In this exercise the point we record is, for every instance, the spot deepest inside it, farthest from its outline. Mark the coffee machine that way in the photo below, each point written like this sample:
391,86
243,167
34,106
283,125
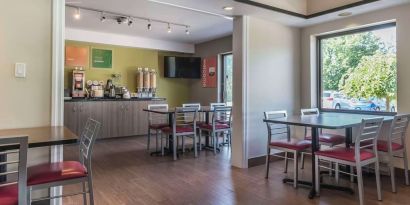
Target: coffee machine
79,88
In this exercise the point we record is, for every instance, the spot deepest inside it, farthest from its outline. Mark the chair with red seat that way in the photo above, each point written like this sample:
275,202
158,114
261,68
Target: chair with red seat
395,146
183,125
326,139
156,122
283,142
49,175
364,153
13,179
221,123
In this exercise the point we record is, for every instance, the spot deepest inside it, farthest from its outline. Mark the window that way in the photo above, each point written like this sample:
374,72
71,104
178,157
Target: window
358,71
227,66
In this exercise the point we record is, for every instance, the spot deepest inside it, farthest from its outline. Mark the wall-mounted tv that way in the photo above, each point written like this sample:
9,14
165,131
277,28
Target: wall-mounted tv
182,67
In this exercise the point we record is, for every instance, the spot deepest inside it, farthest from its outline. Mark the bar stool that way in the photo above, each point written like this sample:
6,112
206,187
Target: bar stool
183,124
364,153
221,123
49,175
283,142
13,189
325,139
395,146
156,122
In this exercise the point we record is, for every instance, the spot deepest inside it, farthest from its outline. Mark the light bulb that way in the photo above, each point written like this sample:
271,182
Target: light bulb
77,14
169,28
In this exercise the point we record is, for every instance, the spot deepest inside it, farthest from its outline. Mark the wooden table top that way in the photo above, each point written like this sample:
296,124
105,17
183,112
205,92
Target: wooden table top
327,120
43,136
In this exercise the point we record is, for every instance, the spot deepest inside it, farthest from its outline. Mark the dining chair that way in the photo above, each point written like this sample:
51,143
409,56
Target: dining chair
221,123
156,122
326,139
279,138
13,183
363,154
54,174
183,125
395,146
213,105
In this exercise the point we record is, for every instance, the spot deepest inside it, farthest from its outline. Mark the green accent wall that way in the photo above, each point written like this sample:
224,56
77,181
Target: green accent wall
125,62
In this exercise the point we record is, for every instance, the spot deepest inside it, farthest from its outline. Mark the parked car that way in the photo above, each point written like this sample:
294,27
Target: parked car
340,101
362,104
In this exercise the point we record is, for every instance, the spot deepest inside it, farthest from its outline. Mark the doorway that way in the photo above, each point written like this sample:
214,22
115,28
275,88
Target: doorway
226,78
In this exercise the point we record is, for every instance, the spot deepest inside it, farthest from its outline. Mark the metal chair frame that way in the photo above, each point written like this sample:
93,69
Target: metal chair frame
86,144
367,139
154,118
220,114
21,168
280,130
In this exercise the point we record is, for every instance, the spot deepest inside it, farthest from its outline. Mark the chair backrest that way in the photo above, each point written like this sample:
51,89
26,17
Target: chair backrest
155,118
278,131
368,135
87,139
222,115
16,172
194,105
213,105
185,116
397,132
309,112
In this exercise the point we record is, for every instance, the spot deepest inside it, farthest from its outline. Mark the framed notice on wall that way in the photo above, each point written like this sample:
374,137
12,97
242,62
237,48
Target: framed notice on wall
101,58
76,56
209,72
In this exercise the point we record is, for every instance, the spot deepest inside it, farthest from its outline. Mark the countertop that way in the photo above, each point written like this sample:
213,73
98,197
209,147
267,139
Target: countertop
113,99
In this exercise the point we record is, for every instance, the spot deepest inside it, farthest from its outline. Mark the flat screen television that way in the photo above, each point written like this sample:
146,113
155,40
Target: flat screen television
182,67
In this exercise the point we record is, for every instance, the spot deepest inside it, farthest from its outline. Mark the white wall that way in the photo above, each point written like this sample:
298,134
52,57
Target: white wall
314,6
273,77
400,14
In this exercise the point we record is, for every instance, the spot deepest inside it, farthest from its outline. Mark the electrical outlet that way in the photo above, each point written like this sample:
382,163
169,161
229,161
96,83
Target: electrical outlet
20,70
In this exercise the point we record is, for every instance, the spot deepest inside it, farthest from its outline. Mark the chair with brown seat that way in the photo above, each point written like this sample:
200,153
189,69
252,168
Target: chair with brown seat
55,174
13,179
363,154
279,139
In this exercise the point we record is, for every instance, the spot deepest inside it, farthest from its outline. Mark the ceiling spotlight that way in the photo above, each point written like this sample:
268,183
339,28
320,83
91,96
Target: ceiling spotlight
149,25
228,8
77,14
344,14
130,21
122,20
187,31
169,28
103,17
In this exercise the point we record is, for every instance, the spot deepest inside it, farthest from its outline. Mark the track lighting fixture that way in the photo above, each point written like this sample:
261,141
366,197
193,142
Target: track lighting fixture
187,31
149,26
130,21
77,14
103,17
169,28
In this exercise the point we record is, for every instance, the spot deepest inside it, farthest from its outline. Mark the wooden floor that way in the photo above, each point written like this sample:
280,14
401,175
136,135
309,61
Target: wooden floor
124,173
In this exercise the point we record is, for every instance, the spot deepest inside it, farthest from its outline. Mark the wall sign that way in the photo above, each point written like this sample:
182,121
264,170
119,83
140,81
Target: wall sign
101,58
209,72
76,56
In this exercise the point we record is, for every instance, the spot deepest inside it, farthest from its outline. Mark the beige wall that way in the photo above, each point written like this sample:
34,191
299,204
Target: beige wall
401,14
25,36
272,77
203,50
314,6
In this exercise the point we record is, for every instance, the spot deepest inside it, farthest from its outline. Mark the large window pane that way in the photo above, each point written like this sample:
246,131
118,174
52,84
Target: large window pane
358,70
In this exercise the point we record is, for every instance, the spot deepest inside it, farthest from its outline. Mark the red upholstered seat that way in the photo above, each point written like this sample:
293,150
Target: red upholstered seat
382,146
293,144
158,126
346,154
218,126
53,172
179,129
330,138
9,195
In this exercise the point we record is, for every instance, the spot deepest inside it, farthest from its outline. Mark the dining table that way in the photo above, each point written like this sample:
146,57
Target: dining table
326,120
207,110
52,137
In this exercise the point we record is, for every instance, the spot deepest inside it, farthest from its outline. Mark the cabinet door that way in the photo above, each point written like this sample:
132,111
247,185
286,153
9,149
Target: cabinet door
71,116
84,112
94,110
126,118
109,118
141,122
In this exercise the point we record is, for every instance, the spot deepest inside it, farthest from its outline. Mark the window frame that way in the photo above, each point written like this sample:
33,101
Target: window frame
319,67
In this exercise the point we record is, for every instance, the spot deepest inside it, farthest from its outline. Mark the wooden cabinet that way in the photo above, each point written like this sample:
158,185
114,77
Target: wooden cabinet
118,118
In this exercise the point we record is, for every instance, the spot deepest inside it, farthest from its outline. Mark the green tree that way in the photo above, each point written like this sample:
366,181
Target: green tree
342,53
375,76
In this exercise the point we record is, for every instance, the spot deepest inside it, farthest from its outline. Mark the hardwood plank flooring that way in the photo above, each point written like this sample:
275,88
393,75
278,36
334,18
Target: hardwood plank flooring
125,174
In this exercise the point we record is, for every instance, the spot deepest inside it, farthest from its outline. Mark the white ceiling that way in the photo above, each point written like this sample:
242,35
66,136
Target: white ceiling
203,26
